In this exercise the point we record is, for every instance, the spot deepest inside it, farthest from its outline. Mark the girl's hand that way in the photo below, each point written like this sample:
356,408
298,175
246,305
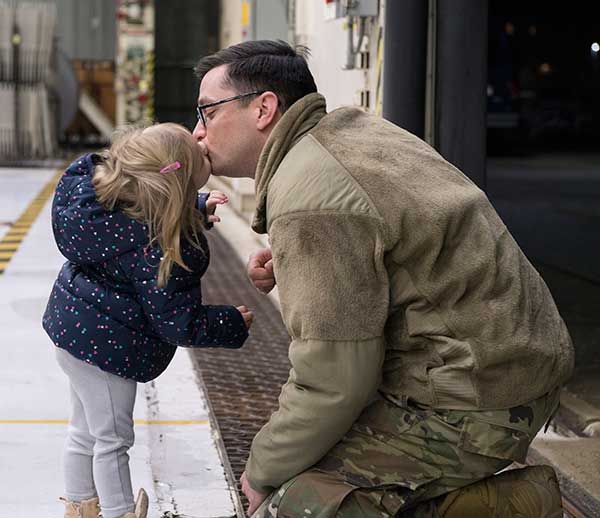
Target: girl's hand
214,198
247,315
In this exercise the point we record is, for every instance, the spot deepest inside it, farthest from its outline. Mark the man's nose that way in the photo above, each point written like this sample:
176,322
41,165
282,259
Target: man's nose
199,132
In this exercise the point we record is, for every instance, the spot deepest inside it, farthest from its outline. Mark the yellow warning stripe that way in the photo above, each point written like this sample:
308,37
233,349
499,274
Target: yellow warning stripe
136,421
378,73
10,242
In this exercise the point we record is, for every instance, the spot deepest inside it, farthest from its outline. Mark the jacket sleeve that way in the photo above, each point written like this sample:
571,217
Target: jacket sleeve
201,206
333,289
176,312
76,214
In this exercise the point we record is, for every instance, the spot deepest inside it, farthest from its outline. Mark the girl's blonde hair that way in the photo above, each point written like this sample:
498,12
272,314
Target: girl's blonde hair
129,179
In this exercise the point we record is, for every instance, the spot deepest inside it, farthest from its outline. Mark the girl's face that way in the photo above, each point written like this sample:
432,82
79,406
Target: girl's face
201,165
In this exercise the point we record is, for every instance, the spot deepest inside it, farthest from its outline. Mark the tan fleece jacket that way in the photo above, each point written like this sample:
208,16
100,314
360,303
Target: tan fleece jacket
395,274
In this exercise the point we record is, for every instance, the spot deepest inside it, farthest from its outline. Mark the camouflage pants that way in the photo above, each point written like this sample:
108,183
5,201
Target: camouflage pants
396,457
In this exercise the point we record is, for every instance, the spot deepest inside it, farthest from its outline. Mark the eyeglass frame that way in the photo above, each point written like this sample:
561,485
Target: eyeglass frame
200,107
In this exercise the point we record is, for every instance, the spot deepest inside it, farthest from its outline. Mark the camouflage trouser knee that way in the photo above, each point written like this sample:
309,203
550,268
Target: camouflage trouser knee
395,457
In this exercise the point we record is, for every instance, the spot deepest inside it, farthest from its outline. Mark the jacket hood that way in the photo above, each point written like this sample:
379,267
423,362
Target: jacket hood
298,120
84,230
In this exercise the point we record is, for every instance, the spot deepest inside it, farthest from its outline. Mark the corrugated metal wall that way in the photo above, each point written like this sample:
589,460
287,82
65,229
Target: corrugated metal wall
27,122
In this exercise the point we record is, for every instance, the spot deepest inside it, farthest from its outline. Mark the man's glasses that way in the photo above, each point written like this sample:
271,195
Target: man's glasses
200,108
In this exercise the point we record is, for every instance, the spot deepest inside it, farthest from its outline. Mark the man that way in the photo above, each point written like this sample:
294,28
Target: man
426,350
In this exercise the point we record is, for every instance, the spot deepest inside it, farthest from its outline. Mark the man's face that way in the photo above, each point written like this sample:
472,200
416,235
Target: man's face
230,133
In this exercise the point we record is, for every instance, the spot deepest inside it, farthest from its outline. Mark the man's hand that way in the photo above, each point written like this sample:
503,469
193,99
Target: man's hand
247,315
260,270
214,198
254,497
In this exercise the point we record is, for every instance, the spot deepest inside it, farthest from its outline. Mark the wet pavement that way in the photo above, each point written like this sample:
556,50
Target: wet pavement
551,205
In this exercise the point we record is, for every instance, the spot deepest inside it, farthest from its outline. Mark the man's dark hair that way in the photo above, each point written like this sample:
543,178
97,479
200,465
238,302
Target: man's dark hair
264,65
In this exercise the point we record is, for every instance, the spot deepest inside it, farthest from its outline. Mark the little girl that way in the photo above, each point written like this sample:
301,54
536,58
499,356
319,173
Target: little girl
129,294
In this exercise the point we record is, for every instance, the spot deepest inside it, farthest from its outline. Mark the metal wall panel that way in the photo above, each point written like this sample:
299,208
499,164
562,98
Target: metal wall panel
27,123
270,20
86,28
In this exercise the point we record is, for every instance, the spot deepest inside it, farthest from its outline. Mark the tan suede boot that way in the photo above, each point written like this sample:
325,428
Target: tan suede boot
141,504
531,492
84,509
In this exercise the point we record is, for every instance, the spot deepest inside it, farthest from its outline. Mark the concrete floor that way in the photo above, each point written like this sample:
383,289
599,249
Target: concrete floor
175,456
550,203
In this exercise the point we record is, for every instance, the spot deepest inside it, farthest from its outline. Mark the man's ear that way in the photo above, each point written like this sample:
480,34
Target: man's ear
268,110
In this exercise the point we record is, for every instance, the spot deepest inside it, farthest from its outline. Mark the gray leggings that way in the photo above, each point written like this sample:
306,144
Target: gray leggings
96,462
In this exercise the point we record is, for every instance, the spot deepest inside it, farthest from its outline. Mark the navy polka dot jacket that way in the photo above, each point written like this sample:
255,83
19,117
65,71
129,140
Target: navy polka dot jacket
105,307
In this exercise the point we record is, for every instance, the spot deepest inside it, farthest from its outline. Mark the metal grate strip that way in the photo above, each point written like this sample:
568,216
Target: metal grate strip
242,385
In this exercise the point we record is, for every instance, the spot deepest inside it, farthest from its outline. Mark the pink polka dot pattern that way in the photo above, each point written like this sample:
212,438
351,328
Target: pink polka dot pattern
106,308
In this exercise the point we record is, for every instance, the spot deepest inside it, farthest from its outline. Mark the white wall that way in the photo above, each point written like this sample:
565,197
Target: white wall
327,40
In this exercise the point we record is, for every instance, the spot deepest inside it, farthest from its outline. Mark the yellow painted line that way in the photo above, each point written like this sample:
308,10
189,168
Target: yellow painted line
136,421
174,422
34,421
10,242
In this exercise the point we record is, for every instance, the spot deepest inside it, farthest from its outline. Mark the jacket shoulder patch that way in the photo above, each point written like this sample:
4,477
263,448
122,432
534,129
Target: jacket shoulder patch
310,179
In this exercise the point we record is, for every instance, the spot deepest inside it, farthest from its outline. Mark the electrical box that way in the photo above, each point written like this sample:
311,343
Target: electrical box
342,8
361,7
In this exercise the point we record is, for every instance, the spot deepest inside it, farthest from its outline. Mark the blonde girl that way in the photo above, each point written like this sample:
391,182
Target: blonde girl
130,223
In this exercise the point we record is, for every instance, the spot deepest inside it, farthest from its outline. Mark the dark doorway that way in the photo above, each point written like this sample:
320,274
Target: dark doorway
543,77
186,30
543,165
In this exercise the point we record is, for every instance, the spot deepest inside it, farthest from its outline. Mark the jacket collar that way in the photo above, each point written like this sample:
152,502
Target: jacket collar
298,120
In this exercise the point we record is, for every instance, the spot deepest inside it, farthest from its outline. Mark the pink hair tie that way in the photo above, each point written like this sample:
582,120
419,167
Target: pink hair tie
171,167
